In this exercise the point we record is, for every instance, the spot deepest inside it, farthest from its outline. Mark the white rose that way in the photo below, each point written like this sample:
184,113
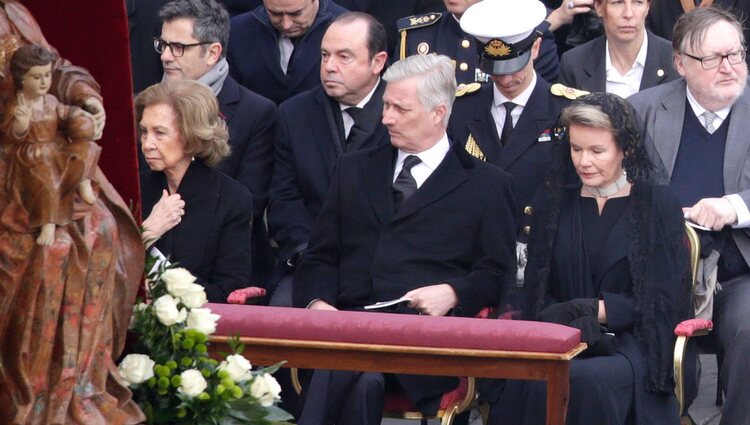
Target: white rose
238,367
202,320
265,389
192,382
166,311
178,280
194,297
136,308
136,368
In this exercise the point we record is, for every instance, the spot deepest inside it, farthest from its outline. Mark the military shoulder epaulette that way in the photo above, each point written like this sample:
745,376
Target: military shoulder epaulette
418,21
464,89
473,149
567,92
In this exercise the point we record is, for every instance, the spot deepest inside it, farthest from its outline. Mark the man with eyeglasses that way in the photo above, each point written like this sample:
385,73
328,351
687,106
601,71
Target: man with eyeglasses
698,128
193,46
275,49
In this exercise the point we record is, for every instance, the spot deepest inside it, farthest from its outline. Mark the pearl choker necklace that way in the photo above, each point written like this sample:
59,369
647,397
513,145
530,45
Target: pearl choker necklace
607,191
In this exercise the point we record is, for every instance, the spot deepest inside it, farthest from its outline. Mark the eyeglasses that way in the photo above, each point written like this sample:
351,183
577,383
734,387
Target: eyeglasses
178,49
712,61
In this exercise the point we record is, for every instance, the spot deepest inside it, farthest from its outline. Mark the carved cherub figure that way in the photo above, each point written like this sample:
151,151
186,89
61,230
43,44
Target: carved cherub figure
52,154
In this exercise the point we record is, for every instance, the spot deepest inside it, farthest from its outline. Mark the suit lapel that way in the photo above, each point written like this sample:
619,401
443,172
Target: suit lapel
325,133
377,174
200,190
595,69
654,64
668,121
483,128
449,174
269,44
228,98
737,148
534,119
369,121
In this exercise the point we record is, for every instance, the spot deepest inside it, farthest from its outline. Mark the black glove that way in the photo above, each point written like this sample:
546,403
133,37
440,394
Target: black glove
594,335
591,330
564,313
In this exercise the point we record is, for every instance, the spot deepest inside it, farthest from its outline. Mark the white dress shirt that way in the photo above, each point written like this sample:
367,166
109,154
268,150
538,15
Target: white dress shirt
348,120
498,109
431,158
630,83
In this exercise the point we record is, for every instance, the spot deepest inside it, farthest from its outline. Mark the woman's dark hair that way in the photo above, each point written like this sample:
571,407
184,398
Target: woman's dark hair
26,58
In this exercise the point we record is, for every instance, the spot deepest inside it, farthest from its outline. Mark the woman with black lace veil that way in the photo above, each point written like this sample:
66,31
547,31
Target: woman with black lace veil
606,255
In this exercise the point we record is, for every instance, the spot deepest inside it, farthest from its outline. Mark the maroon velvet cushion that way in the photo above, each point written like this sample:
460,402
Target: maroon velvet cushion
689,327
394,329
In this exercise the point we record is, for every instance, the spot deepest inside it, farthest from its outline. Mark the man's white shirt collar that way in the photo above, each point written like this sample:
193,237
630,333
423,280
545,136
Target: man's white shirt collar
698,110
431,159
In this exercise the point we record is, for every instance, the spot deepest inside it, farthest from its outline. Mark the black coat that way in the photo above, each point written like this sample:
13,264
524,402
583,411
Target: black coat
642,275
251,120
457,228
527,155
583,67
254,53
213,239
454,229
308,146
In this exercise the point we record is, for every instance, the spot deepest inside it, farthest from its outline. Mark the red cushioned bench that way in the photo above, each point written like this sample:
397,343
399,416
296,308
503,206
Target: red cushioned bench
395,343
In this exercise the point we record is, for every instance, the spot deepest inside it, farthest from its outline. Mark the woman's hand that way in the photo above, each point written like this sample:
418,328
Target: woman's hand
166,214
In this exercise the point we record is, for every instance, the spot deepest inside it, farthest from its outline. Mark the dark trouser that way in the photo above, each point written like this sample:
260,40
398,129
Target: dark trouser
732,332
601,393
357,398
343,398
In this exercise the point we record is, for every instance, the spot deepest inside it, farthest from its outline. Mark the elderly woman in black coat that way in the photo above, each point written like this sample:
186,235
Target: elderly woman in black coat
195,215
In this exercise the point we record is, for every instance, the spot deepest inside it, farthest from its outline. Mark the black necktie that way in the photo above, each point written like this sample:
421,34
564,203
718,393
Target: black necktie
508,125
355,113
405,185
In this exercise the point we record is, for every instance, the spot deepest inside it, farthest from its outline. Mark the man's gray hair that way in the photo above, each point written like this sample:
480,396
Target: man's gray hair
210,20
437,79
690,29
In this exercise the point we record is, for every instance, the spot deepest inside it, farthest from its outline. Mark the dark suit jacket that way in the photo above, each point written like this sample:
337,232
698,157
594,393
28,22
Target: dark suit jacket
251,120
445,37
527,155
254,53
457,228
213,239
583,67
308,146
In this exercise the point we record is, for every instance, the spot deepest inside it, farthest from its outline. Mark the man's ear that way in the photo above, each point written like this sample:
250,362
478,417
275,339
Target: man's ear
378,62
213,53
440,112
678,64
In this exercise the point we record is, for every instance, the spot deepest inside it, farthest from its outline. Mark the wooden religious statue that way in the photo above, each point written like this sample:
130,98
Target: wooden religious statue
71,256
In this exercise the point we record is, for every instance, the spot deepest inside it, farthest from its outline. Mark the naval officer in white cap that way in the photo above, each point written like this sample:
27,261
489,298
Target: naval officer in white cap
508,121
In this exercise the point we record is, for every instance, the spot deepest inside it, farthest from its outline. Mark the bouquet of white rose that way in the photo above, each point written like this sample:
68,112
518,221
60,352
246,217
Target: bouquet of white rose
172,378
